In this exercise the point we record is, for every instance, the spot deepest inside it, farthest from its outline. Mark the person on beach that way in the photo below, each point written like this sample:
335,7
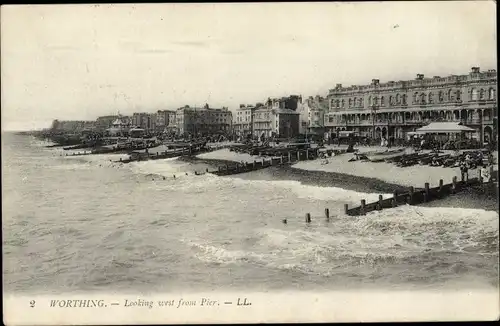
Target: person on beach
485,174
465,171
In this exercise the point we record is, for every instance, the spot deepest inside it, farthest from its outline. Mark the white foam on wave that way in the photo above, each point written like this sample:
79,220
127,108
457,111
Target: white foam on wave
40,143
170,167
294,253
98,159
357,246
173,166
215,254
165,167
432,216
311,192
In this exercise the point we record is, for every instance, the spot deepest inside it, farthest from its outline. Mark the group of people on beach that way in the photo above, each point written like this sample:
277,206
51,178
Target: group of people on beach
486,169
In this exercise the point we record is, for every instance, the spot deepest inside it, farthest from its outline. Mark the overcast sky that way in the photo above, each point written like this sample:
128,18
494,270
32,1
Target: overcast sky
82,61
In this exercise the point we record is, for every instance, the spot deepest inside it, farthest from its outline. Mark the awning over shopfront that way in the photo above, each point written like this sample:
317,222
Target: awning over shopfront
444,128
346,132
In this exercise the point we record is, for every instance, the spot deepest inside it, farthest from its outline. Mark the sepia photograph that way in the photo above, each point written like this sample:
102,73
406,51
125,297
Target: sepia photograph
249,162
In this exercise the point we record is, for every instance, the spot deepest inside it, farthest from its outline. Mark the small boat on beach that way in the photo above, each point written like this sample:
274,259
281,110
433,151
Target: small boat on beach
382,156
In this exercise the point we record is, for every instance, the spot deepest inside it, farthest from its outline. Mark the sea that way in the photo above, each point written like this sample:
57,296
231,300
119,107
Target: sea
86,223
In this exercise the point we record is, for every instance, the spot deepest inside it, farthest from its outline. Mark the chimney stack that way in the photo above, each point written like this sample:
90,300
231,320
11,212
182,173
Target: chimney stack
420,76
475,69
338,86
375,81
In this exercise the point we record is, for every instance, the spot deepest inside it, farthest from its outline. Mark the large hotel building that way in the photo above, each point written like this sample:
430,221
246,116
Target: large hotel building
203,121
395,108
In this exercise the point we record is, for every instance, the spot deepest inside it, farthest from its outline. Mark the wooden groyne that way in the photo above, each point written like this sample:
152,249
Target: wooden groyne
155,156
237,168
412,196
286,158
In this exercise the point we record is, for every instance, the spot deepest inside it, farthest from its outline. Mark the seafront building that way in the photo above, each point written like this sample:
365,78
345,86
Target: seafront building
275,122
275,118
291,102
144,120
243,118
166,121
312,115
394,108
203,121
104,122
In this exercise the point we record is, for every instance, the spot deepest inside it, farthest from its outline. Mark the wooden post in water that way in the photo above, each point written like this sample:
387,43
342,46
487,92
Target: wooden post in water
440,185
480,176
454,183
281,159
263,161
307,154
298,155
363,204
254,164
380,198
327,213
412,190
289,157
346,208
426,194
308,218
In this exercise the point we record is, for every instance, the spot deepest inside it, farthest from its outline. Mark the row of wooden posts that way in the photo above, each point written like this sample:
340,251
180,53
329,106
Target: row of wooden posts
308,217
411,197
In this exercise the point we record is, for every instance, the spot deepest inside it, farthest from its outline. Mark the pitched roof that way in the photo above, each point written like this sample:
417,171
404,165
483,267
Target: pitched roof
445,127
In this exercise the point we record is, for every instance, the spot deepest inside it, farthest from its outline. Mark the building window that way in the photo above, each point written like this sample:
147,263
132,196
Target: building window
474,94
459,95
429,97
350,102
397,98
343,103
355,101
481,94
369,100
440,96
390,100
338,103
361,102
404,99
450,95
422,98
375,101
382,101
415,98
491,94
